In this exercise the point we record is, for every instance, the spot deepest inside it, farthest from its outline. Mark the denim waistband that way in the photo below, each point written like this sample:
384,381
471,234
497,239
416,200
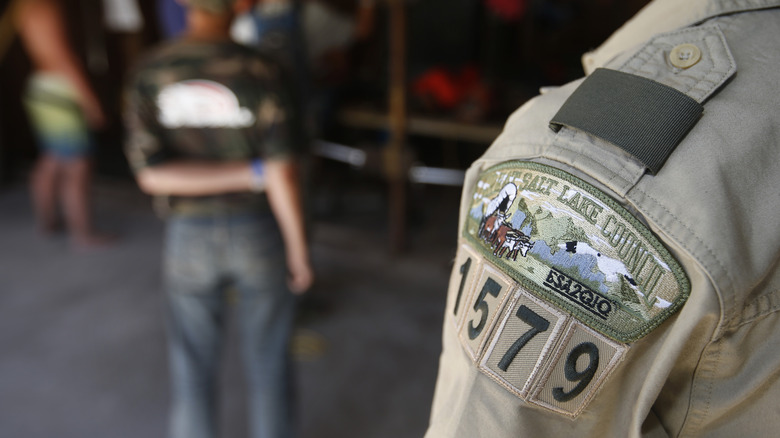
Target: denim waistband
236,217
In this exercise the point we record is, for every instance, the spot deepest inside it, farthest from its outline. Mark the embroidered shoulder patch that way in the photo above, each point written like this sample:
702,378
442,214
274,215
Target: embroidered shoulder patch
571,245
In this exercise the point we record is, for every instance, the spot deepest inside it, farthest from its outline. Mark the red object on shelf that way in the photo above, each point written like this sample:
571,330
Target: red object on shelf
464,93
438,86
509,10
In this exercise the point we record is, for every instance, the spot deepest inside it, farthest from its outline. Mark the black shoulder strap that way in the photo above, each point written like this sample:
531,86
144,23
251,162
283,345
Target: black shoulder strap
643,117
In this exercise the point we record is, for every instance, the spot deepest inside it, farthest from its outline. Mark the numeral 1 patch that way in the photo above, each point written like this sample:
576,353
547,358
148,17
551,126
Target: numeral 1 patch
468,266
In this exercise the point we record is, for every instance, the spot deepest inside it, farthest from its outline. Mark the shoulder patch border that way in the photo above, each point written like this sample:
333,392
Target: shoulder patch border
531,173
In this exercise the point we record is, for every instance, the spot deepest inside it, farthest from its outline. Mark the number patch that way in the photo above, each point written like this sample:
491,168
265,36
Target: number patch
527,332
467,266
580,366
532,348
482,306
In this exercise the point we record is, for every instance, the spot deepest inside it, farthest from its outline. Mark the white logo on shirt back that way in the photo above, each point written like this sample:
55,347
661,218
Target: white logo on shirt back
201,104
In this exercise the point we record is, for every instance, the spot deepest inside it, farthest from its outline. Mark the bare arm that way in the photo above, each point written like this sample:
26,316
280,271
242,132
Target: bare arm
43,33
196,178
284,196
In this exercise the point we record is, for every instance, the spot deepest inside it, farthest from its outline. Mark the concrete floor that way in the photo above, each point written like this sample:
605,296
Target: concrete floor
82,349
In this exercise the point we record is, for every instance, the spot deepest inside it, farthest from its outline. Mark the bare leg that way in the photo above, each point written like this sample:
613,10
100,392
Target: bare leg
76,203
43,185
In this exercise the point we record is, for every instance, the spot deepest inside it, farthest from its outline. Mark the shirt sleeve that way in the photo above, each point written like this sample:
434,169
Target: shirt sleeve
143,144
280,120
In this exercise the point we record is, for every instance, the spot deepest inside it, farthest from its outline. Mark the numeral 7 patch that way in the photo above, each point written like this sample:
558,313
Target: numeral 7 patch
525,335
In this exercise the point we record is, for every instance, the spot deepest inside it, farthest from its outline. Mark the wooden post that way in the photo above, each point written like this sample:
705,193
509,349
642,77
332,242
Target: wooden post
395,167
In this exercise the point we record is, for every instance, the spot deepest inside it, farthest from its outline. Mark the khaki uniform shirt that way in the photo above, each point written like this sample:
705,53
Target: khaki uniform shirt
592,296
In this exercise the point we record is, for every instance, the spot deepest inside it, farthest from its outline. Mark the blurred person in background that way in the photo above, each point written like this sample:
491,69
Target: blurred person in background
62,108
171,17
312,33
273,28
211,133
313,40
617,271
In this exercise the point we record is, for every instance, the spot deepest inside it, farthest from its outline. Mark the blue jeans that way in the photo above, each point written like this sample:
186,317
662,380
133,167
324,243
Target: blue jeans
204,255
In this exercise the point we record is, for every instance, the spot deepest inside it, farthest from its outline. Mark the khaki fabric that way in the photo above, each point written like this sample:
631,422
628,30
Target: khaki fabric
664,16
711,369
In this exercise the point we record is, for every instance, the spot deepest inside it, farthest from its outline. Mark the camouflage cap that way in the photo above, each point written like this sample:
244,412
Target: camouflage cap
214,6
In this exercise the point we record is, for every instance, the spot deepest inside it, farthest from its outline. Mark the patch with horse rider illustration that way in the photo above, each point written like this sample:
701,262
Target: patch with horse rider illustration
552,280
571,244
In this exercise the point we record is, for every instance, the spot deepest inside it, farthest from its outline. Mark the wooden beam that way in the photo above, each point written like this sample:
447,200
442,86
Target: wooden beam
436,127
397,120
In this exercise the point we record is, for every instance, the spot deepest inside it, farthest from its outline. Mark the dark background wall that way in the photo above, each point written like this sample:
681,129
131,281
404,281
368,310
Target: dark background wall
511,55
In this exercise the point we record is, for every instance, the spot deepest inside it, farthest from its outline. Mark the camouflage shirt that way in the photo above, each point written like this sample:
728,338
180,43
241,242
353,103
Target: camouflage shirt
216,101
